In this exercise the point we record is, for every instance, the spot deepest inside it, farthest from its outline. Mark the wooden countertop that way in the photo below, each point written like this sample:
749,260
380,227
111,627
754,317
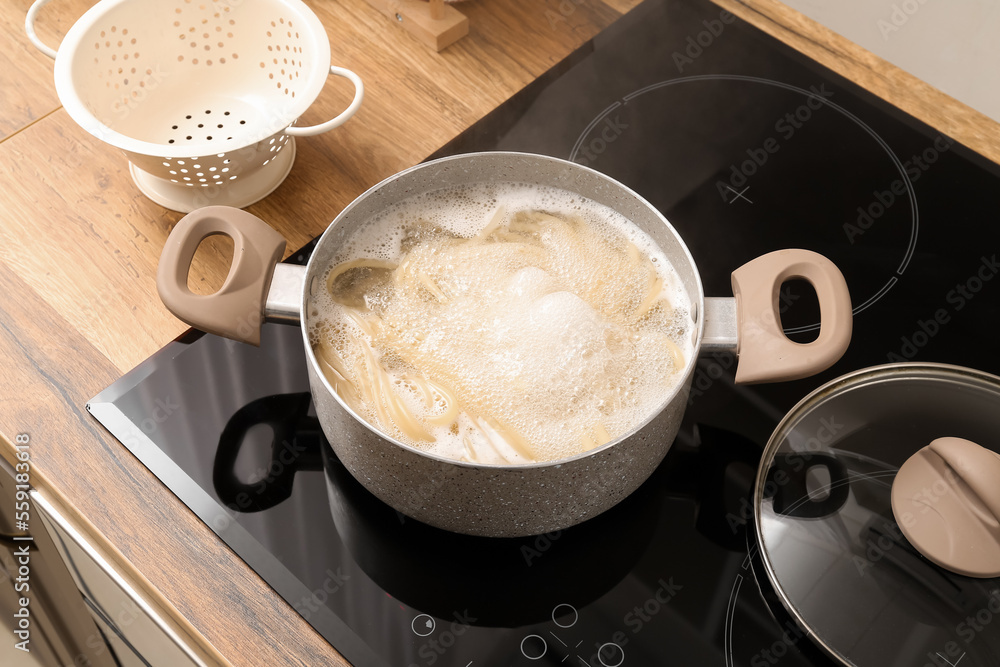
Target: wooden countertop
79,246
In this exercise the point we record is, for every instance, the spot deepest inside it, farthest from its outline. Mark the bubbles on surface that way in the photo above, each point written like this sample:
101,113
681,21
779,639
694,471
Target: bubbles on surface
556,323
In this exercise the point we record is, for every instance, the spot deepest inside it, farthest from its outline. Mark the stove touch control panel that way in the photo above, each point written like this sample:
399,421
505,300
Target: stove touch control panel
564,643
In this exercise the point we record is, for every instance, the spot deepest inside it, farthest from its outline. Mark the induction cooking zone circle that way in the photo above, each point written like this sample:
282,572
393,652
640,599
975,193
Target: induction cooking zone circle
785,166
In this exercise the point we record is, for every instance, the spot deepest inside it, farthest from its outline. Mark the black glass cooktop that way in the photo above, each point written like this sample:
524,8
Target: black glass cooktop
746,147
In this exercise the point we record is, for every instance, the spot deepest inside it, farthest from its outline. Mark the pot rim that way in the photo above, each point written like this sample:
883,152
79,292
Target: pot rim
697,307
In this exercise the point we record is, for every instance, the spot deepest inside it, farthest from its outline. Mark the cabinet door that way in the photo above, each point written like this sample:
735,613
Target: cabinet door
51,622
82,611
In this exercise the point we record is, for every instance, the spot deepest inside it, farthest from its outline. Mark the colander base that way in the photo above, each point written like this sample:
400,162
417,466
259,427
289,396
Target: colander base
238,193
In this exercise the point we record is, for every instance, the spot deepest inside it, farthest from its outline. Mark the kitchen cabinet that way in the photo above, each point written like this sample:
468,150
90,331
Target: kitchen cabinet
68,604
51,622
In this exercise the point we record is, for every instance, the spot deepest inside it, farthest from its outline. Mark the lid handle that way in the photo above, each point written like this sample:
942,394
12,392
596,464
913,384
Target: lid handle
946,500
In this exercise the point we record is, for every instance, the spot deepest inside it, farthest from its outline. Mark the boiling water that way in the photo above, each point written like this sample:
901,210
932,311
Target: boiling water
502,324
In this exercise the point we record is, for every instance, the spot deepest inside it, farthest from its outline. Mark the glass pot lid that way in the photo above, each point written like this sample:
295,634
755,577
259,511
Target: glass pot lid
828,539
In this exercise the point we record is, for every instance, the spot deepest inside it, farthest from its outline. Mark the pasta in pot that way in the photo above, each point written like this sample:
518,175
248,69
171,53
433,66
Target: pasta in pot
535,336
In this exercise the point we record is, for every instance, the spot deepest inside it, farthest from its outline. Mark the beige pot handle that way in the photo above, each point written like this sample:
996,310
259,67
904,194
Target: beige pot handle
237,310
765,353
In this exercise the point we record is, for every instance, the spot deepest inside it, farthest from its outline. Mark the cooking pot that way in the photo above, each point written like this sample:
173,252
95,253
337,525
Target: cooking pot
489,499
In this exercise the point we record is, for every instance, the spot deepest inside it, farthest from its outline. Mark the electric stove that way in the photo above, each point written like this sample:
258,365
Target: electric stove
746,146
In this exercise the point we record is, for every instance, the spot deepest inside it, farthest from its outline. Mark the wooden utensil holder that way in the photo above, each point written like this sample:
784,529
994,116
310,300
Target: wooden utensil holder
433,22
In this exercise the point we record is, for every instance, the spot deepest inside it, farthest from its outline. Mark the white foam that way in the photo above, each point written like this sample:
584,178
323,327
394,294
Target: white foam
535,338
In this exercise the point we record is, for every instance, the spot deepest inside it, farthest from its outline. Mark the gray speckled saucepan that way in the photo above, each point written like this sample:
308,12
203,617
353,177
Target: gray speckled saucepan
489,499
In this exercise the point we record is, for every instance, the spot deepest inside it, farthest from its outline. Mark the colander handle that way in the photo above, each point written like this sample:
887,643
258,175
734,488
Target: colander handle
29,27
359,94
237,310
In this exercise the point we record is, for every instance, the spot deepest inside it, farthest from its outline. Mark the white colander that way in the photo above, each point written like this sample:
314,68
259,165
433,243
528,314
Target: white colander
201,95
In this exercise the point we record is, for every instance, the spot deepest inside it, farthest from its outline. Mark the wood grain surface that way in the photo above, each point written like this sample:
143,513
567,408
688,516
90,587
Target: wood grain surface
78,252
25,72
79,246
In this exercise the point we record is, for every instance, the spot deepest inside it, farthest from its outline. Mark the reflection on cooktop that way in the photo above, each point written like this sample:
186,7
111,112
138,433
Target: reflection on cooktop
271,485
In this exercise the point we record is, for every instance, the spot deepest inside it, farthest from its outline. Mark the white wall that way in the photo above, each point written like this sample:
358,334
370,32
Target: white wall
954,45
